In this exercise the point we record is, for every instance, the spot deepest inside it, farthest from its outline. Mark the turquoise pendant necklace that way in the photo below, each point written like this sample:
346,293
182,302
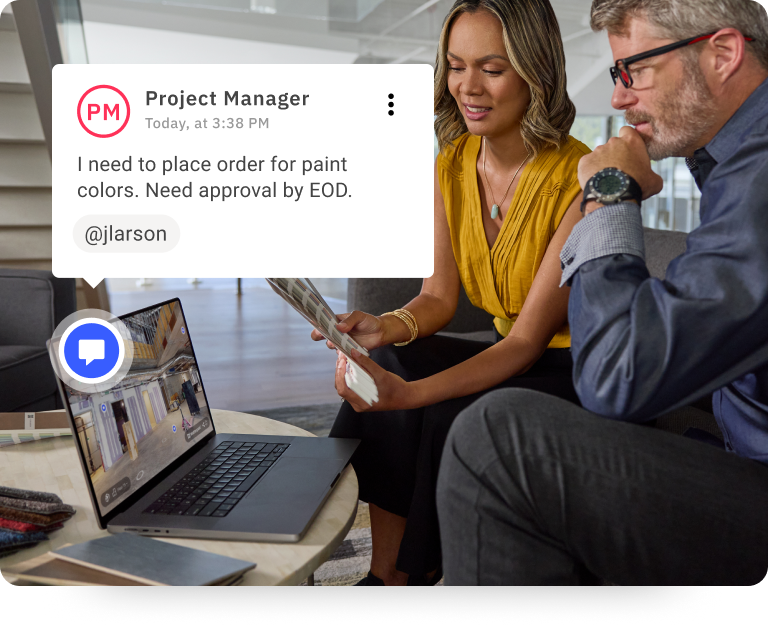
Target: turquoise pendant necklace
495,208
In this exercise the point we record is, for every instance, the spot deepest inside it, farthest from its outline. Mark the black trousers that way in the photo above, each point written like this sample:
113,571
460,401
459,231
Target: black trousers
398,460
534,490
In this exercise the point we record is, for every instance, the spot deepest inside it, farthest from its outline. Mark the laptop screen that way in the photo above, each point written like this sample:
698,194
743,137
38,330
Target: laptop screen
154,415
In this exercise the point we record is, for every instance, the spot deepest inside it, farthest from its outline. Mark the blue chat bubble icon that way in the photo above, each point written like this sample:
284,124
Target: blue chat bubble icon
92,351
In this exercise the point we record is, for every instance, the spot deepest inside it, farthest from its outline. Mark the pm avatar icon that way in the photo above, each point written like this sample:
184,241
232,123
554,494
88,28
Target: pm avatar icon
91,350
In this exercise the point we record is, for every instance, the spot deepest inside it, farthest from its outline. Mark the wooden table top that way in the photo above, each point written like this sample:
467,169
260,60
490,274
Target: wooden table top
52,465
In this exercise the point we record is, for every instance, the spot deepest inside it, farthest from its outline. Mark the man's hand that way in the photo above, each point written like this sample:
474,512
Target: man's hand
628,153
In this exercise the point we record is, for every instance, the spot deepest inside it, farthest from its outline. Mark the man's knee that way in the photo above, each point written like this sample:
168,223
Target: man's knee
482,438
477,430
499,410
504,422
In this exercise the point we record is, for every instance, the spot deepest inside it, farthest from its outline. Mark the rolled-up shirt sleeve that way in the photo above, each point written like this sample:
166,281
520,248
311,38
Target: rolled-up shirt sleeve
612,229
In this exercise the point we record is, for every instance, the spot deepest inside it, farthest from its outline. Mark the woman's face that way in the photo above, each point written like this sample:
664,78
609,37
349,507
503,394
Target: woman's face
490,94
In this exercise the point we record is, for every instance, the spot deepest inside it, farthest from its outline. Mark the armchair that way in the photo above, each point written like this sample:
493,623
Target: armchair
32,303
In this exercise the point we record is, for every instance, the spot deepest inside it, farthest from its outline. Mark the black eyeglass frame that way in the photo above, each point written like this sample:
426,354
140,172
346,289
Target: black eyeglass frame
616,71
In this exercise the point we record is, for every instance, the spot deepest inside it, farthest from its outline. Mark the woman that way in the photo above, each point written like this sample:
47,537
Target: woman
506,199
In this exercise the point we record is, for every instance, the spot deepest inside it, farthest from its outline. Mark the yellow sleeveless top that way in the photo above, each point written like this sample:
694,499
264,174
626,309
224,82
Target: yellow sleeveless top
498,280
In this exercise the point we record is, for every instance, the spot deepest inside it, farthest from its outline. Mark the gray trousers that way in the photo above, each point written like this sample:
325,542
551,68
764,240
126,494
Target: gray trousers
534,490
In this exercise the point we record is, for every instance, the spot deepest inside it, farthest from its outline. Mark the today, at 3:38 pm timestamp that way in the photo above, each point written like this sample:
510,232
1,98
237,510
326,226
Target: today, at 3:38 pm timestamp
215,123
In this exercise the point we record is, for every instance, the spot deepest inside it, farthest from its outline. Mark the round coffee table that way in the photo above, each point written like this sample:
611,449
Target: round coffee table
52,465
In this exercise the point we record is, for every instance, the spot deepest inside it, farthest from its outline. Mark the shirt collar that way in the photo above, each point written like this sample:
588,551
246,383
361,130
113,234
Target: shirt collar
730,136
700,166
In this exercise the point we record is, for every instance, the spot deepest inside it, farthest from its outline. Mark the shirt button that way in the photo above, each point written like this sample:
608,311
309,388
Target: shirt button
569,261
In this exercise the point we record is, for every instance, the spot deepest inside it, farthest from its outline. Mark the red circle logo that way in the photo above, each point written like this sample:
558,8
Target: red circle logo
103,111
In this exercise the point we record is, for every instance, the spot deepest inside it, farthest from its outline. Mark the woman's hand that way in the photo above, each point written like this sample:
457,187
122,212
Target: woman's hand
365,329
394,392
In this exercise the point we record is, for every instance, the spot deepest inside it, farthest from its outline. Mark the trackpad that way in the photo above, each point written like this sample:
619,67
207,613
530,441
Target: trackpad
293,478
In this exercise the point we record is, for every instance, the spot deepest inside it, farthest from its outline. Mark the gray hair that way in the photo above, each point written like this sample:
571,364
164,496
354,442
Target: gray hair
680,19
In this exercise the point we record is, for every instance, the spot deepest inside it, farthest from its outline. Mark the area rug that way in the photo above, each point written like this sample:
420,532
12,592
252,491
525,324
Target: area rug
352,559
315,418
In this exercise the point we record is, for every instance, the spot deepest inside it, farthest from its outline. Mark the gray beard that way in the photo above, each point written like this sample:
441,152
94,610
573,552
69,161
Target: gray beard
684,117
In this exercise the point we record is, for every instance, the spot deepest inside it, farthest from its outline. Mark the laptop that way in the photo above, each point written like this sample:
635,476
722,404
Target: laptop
155,465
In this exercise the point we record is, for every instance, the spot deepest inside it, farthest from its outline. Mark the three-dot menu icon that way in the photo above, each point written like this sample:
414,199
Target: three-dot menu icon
391,104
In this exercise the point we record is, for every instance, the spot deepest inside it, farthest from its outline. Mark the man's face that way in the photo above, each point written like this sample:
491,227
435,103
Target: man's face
671,107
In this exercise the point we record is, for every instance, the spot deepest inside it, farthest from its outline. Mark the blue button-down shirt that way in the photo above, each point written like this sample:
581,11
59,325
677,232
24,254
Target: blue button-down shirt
642,346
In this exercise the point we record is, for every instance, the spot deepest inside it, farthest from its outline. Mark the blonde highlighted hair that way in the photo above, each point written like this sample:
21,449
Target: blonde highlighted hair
535,50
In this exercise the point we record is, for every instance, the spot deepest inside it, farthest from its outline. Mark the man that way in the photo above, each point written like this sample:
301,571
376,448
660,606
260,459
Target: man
534,490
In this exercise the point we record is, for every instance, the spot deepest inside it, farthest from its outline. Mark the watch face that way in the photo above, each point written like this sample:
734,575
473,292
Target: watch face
609,185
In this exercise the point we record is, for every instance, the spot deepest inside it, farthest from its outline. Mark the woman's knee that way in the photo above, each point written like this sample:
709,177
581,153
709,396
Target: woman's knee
399,360
386,356
424,357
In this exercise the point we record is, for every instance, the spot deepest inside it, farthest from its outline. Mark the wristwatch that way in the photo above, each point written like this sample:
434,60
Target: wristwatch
611,186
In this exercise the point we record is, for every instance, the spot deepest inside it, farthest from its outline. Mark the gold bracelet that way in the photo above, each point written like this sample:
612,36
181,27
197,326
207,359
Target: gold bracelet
405,321
413,325
409,320
411,328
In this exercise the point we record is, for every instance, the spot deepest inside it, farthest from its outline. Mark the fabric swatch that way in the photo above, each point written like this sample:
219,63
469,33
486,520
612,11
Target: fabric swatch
34,518
25,494
26,527
35,506
11,542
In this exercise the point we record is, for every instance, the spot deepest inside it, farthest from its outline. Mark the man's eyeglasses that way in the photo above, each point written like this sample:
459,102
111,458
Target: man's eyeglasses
621,72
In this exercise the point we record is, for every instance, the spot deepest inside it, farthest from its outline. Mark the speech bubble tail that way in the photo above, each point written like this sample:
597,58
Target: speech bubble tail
88,362
93,281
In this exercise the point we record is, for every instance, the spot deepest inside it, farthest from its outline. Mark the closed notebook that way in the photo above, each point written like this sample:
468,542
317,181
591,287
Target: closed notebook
152,562
48,570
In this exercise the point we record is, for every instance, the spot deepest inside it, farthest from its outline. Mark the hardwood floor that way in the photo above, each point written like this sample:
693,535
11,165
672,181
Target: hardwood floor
253,351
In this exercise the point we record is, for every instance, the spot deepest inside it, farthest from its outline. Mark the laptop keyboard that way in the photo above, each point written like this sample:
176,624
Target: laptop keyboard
219,481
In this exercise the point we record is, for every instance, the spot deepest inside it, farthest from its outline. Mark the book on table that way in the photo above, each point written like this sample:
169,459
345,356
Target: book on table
302,295
48,570
126,559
